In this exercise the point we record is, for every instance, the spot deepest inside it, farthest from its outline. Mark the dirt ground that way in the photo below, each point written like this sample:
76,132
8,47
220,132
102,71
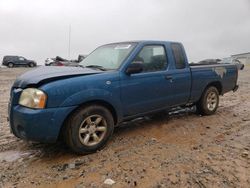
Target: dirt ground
177,150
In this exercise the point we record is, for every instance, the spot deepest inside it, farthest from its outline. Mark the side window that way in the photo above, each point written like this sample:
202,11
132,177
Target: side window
178,56
153,58
21,59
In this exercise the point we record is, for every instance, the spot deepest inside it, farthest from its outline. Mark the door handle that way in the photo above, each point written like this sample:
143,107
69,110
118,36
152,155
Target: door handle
168,77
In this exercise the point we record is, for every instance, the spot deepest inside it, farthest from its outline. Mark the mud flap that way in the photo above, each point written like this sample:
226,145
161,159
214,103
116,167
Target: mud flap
235,88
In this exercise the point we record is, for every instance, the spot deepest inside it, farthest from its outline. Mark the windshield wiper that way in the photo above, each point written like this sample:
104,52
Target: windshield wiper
96,67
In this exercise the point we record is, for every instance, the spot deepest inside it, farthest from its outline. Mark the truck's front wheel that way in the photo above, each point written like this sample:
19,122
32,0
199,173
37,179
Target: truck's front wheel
89,129
209,101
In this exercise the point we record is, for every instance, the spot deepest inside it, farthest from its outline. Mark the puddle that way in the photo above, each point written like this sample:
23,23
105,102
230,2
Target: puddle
11,156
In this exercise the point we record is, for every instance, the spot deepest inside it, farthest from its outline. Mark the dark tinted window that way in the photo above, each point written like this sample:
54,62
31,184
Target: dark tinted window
153,58
9,58
178,56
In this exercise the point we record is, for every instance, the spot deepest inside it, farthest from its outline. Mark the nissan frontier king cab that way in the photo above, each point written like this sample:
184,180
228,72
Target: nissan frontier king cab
117,82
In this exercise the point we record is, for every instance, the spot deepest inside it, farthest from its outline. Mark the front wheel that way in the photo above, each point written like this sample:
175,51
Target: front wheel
89,129
209,101
31,65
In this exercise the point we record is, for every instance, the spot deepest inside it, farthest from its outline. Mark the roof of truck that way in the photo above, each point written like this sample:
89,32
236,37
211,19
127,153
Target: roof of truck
144,41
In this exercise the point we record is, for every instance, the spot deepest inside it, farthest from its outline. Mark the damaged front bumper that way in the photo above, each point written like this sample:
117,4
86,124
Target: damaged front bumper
41,125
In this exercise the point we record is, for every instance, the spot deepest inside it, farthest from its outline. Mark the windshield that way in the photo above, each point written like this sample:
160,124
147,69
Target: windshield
108,56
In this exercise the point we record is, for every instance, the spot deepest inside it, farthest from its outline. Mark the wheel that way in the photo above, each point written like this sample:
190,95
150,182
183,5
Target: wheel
88,129
209,101
31,65
10,65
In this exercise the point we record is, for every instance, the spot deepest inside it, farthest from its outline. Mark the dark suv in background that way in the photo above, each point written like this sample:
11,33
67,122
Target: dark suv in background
12,61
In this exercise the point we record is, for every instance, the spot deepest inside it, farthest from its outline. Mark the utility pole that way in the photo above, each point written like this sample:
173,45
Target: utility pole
69,41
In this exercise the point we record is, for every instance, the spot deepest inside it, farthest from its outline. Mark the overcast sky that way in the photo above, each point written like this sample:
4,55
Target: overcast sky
38,29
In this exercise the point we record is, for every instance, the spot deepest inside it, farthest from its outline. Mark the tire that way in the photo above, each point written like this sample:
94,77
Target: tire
31,64
88,129
10,65
209,101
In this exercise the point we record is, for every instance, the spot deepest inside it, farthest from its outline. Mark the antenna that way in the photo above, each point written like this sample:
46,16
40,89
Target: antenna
69,41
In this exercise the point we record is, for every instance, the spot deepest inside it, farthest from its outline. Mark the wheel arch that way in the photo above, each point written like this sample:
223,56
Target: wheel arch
217,85
11,63
88,103
201,105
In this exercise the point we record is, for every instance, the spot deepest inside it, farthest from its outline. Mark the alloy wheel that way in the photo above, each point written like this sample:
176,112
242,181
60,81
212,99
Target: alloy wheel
92,130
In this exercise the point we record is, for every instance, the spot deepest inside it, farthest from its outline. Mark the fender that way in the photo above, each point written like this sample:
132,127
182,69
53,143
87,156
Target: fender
85,96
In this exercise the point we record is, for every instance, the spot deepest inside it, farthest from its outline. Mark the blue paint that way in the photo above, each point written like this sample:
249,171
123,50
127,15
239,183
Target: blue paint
129,95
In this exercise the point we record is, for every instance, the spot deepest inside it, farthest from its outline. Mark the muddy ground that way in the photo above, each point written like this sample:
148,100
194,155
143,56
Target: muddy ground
178,150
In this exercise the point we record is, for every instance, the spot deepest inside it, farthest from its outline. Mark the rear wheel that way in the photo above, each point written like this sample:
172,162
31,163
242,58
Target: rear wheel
10,65
89,129
209,101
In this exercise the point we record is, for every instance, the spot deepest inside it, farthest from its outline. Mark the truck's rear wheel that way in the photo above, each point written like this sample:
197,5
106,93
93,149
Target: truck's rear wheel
209,101
10,65
89,129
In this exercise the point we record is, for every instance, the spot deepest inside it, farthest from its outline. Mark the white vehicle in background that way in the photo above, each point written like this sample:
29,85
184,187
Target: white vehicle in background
49,61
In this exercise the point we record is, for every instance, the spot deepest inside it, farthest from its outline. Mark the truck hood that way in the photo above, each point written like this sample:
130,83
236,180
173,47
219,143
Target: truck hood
43,75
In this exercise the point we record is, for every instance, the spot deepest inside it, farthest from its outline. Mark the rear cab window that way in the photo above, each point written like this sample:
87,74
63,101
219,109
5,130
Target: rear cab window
178,56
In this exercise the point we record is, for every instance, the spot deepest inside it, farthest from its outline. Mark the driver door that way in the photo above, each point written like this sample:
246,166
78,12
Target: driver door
148,90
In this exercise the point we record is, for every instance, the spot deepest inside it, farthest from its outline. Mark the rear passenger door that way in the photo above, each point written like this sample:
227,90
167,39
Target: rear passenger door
179,75
21,60
148,90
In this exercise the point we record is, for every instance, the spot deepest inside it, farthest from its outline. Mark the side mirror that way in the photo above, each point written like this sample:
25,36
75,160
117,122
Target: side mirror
135,67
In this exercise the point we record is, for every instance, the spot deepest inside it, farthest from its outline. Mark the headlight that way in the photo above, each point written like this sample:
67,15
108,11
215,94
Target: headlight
33,98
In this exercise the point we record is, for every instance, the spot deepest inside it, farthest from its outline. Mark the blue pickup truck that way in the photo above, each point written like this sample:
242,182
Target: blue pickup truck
116,82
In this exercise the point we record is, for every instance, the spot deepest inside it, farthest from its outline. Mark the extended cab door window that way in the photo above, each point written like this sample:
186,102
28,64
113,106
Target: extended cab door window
153,58
180,76
178,56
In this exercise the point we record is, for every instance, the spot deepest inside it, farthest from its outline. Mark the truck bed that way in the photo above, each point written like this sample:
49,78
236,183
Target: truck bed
225,75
